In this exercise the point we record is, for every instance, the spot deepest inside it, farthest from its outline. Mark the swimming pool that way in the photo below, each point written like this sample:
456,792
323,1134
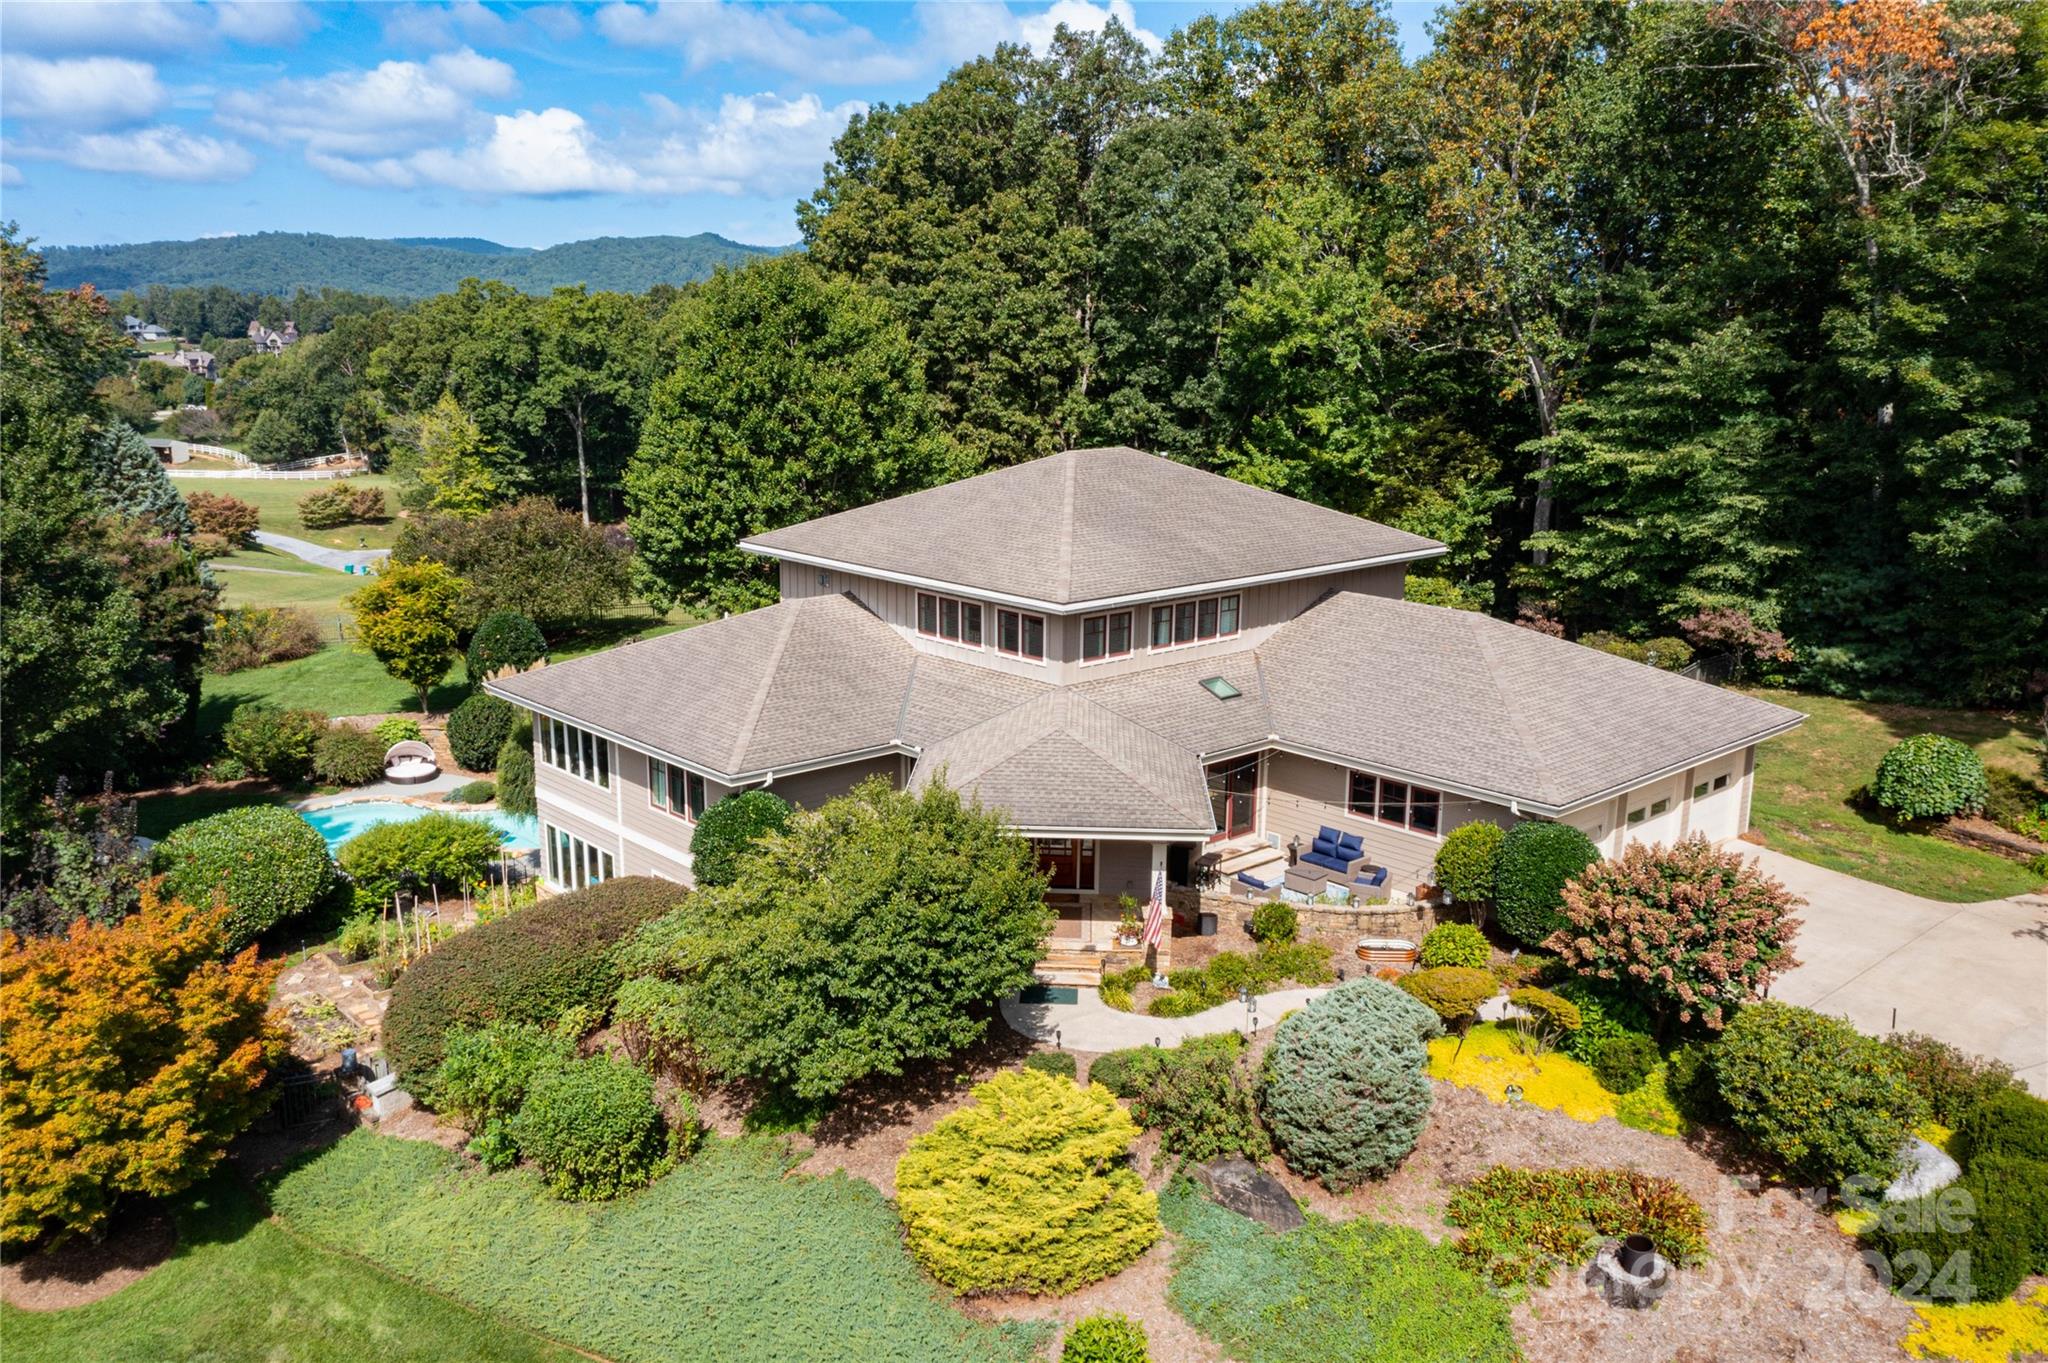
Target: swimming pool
338,823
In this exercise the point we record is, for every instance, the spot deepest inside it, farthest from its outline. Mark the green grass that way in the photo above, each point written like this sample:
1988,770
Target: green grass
730,1258
1804,781
242,1290
1359,1291
289,582
277,503
337,680
157,815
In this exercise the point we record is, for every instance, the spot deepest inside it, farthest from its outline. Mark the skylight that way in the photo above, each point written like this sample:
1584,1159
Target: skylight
1220,688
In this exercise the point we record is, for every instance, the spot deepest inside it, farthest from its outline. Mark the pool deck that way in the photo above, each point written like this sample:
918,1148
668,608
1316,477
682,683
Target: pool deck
392,790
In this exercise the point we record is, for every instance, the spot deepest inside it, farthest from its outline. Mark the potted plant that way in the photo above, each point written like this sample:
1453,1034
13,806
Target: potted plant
1128,922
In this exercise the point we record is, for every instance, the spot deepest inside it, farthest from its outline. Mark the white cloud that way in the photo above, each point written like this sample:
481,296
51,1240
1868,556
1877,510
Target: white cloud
143,26
1082,16
527,153
161,152
438,26
557,22
756,145
394,106
80,92
264,23
807,40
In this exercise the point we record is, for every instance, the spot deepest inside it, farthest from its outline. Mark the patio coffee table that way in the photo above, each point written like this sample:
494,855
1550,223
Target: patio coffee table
1308,880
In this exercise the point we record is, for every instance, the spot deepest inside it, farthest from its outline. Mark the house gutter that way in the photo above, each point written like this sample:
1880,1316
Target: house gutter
1032,603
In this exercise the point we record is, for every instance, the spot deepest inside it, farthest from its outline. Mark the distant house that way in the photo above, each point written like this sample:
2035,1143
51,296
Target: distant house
149,331
200,362
268,342
132,324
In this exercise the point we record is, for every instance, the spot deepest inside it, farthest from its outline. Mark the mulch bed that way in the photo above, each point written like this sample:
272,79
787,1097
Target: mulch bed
83,1270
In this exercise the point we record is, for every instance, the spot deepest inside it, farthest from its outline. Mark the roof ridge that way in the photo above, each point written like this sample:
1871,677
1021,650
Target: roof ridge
1063,572
909,690
1475,623
743,733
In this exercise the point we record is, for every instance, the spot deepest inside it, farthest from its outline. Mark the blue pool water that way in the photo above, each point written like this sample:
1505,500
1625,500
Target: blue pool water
339,823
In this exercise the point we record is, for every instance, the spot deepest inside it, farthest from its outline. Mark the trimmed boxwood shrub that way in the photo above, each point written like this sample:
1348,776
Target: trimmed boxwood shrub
275,743
515,770
1622,1063
1275,922
1972,1241
265,863
487,1070
594,1129
1536,859
1458,944
1105,1339
1467,862
503,639
1060,1063
1451,991
1028,1189
1951,1081
1344,1089
1928,776
2013,1122
729,828
532,966
1816,1093
348,756
477,731
434,849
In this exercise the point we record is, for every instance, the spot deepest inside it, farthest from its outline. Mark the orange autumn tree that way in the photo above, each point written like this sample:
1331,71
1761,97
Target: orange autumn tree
130,1054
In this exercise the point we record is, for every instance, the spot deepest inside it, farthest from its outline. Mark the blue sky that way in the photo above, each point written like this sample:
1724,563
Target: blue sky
529,124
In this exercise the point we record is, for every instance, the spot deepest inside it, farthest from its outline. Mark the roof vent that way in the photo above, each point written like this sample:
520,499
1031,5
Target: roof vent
1220,688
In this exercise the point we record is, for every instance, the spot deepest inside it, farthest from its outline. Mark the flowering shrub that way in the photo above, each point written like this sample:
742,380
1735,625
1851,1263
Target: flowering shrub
1455,944
1028,1189
1521,1225
1690,931
1928,776
1344,1091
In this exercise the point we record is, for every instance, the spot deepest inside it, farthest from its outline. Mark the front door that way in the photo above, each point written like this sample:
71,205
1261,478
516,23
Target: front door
1068,863
1234,793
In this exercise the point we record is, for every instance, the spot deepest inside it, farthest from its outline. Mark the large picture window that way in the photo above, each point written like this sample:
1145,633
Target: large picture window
1020,635
573,863
1196,621
678,791
576,751
1105,636
1415,808
949,618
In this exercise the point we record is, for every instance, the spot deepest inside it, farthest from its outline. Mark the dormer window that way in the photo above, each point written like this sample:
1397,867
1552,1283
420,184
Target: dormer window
949,618
1194,622
1020,635
1105,636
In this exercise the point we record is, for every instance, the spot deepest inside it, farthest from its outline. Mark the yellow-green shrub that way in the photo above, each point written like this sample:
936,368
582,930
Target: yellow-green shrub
1028,1189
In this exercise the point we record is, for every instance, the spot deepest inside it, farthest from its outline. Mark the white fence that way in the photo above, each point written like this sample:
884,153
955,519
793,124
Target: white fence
304,475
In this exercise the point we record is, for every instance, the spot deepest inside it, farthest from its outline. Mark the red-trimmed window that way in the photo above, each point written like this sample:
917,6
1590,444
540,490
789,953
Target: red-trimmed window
1105,636
1020,635
1195,621
1416,808
680,792
949,618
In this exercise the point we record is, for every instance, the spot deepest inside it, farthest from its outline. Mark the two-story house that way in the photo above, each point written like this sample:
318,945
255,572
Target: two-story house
1137,662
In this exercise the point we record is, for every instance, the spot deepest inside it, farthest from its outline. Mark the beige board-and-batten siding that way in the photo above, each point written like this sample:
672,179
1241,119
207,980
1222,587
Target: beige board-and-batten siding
1302,794
1262,609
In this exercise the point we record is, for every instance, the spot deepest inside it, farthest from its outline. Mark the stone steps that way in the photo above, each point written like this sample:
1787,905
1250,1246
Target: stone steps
1062,966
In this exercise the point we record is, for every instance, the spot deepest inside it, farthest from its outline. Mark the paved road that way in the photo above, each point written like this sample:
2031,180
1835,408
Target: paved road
338,559
1975,975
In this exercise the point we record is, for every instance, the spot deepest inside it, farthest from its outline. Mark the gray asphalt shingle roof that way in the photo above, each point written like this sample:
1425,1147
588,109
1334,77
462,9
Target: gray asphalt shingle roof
1091,525
1450,698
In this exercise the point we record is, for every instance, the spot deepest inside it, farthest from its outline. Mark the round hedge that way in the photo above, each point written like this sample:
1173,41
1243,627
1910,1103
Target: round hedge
530,967
348,756
1275,922
1930,777
1451,991
1344,1086
1029,1188
1105,1339
1816,1093
503,639
1536,859
1455,944
1943,1248
1466,863
266,863
477,730
1622,1063
594,1129
2013,1122
728,828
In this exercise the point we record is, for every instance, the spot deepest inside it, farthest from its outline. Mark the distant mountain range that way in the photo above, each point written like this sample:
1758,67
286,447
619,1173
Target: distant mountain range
408,267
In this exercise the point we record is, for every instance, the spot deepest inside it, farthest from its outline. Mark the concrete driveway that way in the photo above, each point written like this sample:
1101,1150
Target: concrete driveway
1975,975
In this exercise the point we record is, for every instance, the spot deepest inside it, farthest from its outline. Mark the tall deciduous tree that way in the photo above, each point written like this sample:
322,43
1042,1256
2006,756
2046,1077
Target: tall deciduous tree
449,465
792,396
407,615
593,362
531,557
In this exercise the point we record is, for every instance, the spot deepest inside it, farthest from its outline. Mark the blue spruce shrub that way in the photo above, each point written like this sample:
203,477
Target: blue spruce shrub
1344,1090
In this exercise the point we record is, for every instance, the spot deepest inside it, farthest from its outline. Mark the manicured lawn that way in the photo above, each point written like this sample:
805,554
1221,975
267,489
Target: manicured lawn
1804,781
157,815
277,502
287,581
729,1258
337,679
242,1290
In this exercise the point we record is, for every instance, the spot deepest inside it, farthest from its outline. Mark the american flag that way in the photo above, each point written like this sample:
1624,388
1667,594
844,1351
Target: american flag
1155,912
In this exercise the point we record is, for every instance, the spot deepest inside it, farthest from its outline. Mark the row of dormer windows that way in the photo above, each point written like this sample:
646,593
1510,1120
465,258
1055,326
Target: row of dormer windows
1111,634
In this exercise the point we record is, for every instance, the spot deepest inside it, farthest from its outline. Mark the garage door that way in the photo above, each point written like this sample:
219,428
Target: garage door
1655,813
1717,799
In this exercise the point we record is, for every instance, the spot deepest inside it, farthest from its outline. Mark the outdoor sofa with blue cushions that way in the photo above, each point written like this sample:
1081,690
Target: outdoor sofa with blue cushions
1343,853
1370,876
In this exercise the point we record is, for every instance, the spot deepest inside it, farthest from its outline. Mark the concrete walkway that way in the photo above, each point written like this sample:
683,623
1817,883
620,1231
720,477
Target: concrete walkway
341,560
1093,1026
1974,975
392,790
